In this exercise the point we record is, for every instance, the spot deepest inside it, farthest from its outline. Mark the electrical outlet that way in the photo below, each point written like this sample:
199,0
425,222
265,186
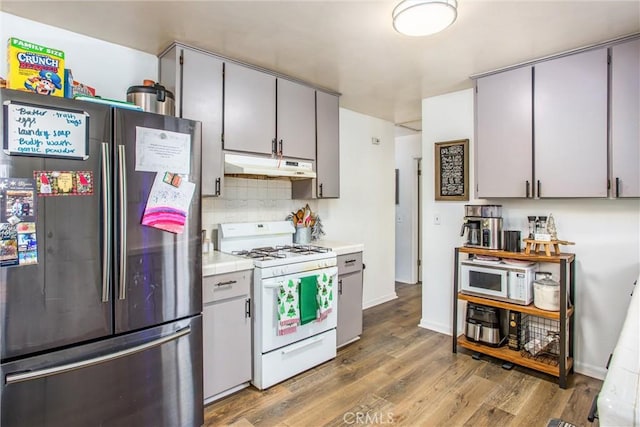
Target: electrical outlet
436,219
375,141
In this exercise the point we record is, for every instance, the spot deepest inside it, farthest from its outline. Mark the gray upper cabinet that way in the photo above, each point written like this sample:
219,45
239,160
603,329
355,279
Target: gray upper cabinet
504,146
249,110
296,122
625,114
328,146
197,98
570,127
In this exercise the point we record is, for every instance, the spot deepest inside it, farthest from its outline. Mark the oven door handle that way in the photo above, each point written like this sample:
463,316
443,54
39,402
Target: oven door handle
306,343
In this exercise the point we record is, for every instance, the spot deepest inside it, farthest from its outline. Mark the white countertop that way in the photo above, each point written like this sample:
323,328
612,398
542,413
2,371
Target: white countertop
619,398
218,263
340,248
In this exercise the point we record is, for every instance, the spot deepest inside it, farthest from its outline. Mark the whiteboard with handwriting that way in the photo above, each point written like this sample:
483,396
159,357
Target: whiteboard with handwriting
31,130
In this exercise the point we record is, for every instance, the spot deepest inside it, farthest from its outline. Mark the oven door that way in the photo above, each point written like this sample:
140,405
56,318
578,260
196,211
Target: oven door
268,331
486,281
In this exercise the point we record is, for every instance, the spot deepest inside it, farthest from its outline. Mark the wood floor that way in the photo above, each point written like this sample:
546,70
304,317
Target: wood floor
401,375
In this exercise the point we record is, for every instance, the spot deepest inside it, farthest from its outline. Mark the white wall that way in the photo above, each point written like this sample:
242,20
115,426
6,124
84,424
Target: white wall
444,118
107,67
364,213
606,233
408,149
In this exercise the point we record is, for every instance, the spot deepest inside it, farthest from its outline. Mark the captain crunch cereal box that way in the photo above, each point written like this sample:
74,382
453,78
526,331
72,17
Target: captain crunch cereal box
35,68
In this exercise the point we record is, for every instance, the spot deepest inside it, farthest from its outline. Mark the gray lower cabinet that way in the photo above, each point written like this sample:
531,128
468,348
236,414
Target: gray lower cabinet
349,298
625,111
226,333
197,98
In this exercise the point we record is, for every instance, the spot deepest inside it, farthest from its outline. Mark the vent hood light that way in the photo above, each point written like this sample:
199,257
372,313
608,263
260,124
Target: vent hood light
235,164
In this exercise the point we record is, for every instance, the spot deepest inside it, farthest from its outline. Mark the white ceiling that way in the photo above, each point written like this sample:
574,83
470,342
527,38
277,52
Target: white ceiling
350,46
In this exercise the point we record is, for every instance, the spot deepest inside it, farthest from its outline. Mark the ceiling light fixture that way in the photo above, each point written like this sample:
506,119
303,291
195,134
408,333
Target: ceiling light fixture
424,17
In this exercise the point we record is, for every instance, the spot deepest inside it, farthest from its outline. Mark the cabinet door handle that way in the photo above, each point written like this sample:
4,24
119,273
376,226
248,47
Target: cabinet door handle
340,287
617,187
539,188
320,190
227,283
349,261
274,146
281,151
247,308
528,188
217,186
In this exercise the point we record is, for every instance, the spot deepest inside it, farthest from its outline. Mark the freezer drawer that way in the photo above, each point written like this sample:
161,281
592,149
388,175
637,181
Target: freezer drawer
148,378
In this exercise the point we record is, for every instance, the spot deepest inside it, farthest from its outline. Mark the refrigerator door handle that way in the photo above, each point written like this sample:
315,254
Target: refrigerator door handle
122,191
106,220
48,372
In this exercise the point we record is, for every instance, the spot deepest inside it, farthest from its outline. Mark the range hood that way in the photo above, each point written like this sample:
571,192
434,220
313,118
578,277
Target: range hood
236,164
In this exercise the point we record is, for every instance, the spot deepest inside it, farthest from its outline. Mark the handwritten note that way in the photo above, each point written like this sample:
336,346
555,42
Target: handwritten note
48,132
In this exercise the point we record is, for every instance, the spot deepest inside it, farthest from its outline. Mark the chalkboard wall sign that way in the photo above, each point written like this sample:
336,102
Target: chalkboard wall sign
452,170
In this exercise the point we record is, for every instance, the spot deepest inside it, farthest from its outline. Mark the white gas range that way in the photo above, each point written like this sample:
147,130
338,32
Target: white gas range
279,351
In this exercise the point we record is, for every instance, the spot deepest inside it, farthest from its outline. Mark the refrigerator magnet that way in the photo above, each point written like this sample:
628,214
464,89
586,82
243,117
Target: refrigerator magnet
64,183
18,200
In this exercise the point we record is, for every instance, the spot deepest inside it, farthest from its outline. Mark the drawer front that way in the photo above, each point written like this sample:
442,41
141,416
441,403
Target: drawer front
349,263
229,285
283,363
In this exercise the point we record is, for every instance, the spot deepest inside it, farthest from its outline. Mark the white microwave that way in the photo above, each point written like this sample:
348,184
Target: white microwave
500,281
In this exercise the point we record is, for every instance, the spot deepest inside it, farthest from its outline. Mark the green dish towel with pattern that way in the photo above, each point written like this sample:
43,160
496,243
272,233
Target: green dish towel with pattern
325,295
308,299
288,307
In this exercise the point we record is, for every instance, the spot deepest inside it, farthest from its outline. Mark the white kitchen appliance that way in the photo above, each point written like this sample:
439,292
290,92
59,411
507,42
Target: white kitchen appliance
278,357
499,281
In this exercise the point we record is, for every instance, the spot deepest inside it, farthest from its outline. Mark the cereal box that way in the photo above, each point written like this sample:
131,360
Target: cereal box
35,68
73,87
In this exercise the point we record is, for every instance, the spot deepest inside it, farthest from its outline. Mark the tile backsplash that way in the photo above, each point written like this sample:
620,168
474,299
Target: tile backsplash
250,199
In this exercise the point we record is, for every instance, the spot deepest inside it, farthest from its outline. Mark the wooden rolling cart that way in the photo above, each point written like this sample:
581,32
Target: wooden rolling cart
564,315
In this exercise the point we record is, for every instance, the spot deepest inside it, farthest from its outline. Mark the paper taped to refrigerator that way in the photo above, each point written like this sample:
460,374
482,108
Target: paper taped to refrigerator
46,132
168,206
161,150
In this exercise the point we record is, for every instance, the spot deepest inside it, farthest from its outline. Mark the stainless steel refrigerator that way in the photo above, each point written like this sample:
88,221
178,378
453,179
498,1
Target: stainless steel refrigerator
105,328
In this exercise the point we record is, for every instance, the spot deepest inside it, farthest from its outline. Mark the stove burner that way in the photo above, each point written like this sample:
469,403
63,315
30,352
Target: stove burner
303,249
261,254
269,252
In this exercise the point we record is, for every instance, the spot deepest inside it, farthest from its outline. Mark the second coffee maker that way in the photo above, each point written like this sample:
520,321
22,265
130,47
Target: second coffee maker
483,224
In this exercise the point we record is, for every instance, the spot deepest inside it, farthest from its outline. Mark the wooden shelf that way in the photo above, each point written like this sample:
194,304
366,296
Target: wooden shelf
529,309
535,257
559,367
513,356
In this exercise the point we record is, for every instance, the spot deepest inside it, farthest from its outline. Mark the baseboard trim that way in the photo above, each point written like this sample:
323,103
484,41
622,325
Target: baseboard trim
442,328
589,370
380,300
